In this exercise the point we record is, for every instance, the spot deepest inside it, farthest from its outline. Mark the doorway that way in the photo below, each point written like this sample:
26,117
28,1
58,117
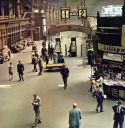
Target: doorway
73,48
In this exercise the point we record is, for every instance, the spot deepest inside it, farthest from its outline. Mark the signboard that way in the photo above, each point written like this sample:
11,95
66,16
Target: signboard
65,13
114,57
110,48
74,13
81,13
123,36
112,10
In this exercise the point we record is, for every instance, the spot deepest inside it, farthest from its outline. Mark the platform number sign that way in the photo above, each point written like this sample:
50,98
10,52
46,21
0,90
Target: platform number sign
65,13
81,13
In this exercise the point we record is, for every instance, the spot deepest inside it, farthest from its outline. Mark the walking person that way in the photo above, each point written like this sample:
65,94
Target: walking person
34,60
36,107
100,97
75,117
20,69
119,111
10,69
40,66
65,73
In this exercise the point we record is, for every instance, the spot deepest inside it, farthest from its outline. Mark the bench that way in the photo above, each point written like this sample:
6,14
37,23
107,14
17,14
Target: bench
52,66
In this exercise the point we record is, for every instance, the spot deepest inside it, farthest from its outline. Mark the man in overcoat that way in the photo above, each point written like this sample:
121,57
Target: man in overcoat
74,117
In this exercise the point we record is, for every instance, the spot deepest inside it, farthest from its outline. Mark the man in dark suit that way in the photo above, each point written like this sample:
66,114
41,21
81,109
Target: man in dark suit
119,111
65,73
20,69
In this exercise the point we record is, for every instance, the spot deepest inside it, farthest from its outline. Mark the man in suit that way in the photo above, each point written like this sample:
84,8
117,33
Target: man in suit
65,73
20,69
74,117
119,111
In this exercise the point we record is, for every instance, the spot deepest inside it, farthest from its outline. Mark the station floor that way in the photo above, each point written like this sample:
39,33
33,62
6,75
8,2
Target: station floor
15,97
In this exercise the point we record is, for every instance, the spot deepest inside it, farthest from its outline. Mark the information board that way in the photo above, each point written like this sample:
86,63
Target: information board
112,10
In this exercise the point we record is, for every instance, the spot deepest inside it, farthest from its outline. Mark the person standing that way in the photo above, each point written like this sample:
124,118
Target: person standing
10,69
46,58
119,111
100,97
43,52
20,69
55,58
36,106
65,73
34,60
51,51
40,66
74,117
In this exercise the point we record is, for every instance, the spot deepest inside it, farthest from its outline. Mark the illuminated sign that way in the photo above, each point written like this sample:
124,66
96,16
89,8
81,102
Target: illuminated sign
81,13
65,13
112,10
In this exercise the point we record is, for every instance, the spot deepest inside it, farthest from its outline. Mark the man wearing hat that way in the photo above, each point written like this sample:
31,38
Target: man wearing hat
119,111
74,117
